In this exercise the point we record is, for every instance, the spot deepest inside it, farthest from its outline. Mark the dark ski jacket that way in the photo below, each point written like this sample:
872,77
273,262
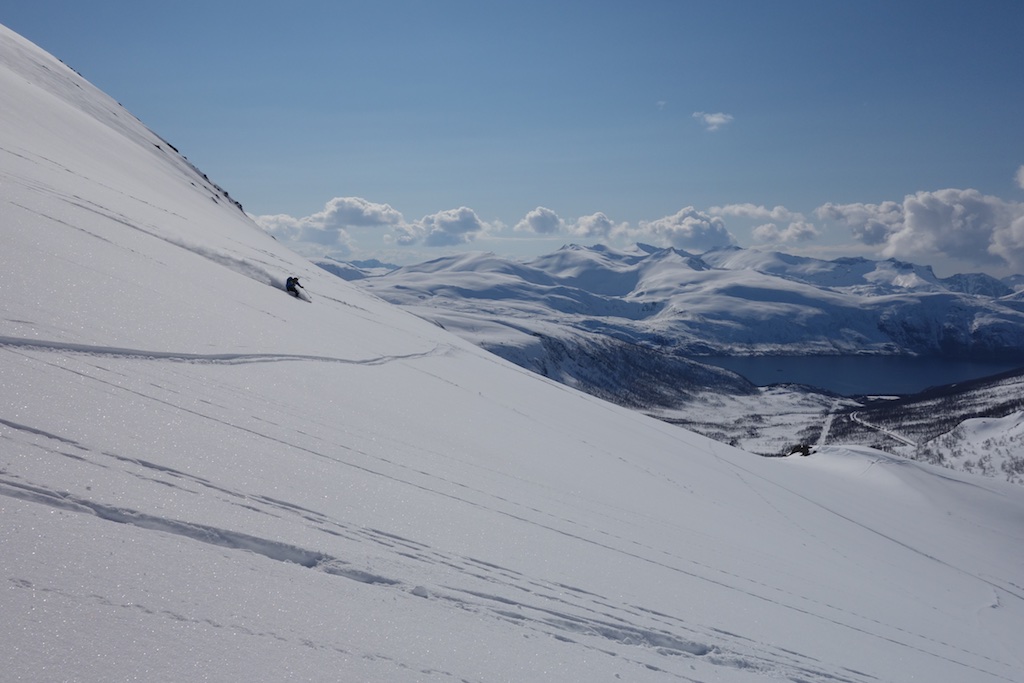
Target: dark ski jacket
291,283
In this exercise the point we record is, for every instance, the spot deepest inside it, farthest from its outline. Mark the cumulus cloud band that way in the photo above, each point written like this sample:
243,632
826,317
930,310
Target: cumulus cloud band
689,229
963,225
331,228
540,221
964,228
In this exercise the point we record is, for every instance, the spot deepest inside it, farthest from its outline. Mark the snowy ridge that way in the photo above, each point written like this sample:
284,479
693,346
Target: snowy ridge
202,478
726,301
856,275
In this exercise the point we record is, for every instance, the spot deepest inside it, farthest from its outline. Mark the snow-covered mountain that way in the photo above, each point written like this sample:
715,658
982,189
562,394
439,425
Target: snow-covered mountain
204,478
725,302
856,275
354,270
628,325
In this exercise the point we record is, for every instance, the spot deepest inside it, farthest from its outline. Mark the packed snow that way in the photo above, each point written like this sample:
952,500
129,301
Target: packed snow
203,478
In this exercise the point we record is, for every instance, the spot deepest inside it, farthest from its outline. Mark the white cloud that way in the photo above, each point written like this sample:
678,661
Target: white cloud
779,214
541,221
328,230
450,227
797,231
963,226
355,211
712,121
870,223
1009,242
595,225
689,229
340,212
959,223
1020,177
279,225
300,233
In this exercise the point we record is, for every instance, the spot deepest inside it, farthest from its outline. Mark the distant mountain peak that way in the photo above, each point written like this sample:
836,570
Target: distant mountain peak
733,301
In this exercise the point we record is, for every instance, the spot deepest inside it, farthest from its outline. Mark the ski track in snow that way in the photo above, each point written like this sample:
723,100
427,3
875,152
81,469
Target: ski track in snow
213,358
254,269
591,621
560,611
567,613
556,610
1012,590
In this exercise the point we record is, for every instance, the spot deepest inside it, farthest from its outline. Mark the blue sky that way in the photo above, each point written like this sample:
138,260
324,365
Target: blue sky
409,130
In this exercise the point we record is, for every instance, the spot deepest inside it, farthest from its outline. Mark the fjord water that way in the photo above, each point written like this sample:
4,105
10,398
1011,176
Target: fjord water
860,375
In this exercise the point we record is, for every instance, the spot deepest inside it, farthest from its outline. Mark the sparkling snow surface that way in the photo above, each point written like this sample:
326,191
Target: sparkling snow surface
202,478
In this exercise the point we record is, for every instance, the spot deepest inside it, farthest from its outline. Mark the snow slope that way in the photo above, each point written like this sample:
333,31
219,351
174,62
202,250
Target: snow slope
993,446
202,478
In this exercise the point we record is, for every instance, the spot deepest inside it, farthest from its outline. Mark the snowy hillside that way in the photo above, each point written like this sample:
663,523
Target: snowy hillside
992,446
202,478
970,426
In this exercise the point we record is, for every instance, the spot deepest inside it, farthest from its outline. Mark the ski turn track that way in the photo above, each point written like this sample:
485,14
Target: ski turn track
566,613
214,358
571,614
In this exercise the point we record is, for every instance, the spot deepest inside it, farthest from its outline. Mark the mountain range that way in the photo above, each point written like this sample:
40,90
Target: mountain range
204,478
728,301
648,328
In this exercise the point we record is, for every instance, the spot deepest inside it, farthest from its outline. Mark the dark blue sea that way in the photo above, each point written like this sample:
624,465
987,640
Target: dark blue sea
859,375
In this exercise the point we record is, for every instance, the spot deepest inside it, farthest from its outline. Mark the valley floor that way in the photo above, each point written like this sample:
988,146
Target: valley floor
976,428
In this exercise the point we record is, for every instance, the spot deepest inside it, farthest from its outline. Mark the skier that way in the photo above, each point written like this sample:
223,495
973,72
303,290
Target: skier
290,285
